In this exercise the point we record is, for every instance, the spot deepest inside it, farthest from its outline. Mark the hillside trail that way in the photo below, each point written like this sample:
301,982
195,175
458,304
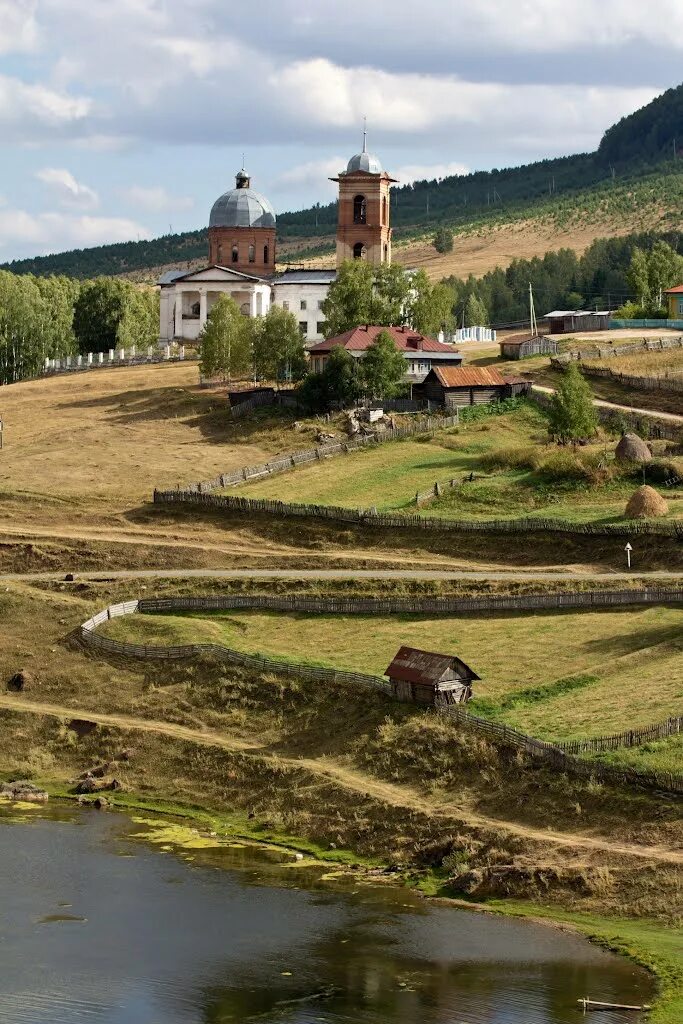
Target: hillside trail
669,416
350,779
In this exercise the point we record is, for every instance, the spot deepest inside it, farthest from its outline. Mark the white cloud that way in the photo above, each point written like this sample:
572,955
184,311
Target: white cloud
34,112
311,173
18,27
155,198
408,173
67,190
23,233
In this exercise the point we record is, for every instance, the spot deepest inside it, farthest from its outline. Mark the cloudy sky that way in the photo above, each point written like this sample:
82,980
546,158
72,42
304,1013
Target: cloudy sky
121,118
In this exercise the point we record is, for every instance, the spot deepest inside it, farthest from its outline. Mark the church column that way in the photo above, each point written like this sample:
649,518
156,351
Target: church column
202,308
252,304
178,328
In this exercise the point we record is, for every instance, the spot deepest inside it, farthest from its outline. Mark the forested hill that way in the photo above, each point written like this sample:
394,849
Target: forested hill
632,148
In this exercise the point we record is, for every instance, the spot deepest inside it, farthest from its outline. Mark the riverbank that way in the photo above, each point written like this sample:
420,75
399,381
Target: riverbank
649,944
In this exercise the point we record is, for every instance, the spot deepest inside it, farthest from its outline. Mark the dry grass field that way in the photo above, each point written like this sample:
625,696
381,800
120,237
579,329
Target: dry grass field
626,665
668,363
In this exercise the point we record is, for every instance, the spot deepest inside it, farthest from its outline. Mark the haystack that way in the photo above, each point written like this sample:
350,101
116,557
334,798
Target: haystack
632,448
646,503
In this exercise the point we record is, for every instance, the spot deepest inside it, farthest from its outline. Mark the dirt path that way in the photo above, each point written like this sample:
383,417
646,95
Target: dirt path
670,416
350,779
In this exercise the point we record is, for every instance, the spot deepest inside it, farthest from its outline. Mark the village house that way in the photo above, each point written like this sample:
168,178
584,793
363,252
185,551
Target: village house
569,321
451,386
424,677
421,352
674,298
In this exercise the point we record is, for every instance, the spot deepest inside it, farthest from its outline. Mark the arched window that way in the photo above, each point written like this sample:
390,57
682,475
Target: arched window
235,254
386,253
360,210
219,253
265,254
252,254
384,209
245,309
360,251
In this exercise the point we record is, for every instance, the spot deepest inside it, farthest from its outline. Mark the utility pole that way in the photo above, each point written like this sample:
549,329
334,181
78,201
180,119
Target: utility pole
532,312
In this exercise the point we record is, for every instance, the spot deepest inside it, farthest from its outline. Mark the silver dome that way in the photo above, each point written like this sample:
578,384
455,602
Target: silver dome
242,208
364,162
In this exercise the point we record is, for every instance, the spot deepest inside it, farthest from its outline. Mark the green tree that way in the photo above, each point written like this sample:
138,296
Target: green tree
383,368
665,269
443,240
226,341
279,352
349,301
430,306
339,383
638,276
139,323
572,413
99,309
476,313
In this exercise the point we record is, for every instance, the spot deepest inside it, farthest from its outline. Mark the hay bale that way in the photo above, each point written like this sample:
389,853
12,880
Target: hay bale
646,503
632,448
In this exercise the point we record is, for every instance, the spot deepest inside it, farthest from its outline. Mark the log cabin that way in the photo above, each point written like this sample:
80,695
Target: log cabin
425,677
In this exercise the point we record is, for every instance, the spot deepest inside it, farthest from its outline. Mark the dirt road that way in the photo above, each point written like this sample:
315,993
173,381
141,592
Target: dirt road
350,779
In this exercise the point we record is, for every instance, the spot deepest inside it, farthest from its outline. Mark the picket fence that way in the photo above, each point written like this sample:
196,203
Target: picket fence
324,451
629,738
410,521
552,754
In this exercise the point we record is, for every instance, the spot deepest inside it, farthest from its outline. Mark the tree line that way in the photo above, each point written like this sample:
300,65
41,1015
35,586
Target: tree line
602,278
54,317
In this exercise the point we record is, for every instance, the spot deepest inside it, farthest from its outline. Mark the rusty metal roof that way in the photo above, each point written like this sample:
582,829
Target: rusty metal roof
405,338
427,667
468,376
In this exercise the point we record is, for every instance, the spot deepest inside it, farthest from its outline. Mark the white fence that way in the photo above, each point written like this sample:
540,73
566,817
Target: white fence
472,334
115,357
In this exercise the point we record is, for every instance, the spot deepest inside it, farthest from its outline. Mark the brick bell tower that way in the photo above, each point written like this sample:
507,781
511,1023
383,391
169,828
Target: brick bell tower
364,229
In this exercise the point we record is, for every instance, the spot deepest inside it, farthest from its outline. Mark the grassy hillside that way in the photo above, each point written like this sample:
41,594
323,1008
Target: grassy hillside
632,174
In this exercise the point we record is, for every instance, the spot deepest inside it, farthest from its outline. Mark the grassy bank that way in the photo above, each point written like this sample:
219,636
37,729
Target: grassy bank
597,656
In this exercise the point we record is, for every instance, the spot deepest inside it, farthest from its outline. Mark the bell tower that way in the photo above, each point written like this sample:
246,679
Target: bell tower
364,224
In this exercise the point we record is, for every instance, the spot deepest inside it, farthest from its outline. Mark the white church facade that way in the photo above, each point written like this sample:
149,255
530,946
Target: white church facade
242,255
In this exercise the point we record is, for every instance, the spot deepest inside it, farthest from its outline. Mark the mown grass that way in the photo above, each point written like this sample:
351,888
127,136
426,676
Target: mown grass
555,674
388,477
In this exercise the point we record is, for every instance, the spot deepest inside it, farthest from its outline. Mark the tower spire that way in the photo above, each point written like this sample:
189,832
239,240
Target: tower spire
365,134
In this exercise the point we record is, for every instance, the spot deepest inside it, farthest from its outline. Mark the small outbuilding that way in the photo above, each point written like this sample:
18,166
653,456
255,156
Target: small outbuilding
516,347
452,386
571,321
425,677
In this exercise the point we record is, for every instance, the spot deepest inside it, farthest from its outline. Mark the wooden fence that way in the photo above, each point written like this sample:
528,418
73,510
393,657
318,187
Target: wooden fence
598,351
325,451
629,738
663,383
242,408
413,605
551,754
408,521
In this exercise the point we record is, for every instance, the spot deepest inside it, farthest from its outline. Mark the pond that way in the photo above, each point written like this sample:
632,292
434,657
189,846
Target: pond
98,924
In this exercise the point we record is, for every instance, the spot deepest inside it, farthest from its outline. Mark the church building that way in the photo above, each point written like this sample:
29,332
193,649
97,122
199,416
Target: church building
243,253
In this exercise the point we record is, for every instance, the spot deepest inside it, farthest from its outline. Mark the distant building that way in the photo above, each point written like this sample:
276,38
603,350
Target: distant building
242,254
469,385
674,297
421,352
520,348
303,292
424,677
571,321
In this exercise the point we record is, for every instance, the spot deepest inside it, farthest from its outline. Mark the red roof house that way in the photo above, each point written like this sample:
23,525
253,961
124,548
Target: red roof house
421,352
675,299
424,676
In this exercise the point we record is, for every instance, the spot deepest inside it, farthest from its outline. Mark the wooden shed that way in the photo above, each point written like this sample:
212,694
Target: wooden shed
463,385
519,347
423,677
571,321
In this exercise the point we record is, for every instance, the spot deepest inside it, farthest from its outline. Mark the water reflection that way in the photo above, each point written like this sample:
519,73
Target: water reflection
181,942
